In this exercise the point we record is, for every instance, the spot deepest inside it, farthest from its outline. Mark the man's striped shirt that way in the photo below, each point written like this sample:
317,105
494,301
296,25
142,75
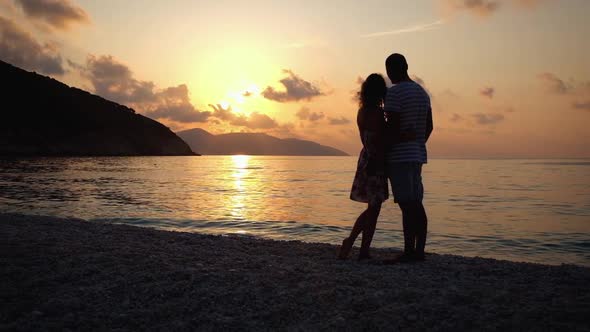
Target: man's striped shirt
412,103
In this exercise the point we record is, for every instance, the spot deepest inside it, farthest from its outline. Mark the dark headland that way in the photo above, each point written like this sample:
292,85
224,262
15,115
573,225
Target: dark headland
68,274
253,144
44,117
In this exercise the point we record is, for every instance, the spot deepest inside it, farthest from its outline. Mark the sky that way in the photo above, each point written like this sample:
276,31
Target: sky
507,78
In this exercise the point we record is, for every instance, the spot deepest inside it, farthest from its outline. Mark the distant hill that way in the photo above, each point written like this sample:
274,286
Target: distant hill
253,144
41,116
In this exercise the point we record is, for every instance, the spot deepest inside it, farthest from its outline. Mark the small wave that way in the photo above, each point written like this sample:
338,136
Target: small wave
561,163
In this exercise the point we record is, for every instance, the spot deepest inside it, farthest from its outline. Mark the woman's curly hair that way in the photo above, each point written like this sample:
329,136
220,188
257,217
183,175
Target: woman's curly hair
373,91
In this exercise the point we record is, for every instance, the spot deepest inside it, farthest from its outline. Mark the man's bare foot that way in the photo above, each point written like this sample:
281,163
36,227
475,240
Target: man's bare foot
410,257
345,248
420,256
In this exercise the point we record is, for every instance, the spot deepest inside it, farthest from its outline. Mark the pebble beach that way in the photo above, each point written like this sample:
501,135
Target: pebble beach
72,274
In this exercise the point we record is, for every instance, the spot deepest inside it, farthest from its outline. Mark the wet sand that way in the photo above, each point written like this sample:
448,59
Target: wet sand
79,275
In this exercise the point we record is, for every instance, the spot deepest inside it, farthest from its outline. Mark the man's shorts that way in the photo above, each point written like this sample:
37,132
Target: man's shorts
406,181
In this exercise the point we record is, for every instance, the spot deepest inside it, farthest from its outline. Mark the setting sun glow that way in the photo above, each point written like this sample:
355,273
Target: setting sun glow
496,74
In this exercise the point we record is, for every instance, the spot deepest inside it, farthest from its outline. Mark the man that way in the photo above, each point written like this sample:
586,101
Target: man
407,108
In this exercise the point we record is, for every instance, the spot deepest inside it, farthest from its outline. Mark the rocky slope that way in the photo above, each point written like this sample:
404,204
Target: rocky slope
44,117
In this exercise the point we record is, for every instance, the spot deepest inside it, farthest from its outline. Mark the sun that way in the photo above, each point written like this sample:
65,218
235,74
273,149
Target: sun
225,104
243,95
233,71
238,99
240,161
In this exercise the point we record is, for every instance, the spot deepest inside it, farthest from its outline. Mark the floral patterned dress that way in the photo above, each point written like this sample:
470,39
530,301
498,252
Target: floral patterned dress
368,188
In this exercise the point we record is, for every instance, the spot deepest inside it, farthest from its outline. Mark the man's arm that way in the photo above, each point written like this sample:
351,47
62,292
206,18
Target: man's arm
392,112
429,123
392,104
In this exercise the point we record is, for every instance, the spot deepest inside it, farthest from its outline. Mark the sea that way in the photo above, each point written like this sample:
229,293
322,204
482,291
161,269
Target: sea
521,210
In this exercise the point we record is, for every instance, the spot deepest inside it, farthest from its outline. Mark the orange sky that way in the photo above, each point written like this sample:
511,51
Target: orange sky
508,78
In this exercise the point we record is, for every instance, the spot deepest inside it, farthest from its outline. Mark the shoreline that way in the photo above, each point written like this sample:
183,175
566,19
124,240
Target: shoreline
69,273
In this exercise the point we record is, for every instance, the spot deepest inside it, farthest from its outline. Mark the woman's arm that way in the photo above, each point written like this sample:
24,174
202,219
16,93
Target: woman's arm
376,146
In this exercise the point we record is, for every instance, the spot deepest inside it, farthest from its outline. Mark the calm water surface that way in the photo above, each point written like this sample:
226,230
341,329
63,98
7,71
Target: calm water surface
523,210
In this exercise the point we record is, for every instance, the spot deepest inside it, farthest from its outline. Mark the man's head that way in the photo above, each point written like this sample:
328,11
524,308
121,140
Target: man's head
397,68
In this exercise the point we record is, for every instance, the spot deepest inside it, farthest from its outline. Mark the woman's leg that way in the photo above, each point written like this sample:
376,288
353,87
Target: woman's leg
370,225
358,227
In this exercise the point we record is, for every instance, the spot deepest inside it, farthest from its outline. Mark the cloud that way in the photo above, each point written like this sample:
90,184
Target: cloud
174,104
421,82
19,48
260,121
222,113
113,80
414,28
305,114
503,109
418,80
487,92
584,106
355,93
253,121
76,66
485,8
529,4
488,119
7,8
338,121
448,93
296,89
509,109
284,130
315,116
59,14
554,84
574,90
456,118
480,8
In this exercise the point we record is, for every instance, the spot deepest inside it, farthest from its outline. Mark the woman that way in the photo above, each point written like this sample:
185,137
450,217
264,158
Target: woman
370,183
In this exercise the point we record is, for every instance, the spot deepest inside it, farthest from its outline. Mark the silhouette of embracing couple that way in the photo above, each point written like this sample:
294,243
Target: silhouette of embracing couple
394,125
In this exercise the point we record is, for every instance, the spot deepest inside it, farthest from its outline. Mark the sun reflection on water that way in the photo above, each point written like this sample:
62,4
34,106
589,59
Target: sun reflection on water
237,201
240,164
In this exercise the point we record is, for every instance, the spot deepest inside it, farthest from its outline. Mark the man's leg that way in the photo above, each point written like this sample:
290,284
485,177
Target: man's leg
409,224
406,183
400,176
421,218
421,231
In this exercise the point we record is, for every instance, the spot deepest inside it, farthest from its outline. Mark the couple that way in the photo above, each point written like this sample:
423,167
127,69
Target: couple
394,125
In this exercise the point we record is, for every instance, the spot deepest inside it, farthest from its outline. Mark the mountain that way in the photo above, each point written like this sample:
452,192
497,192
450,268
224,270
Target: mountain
253,144
41,116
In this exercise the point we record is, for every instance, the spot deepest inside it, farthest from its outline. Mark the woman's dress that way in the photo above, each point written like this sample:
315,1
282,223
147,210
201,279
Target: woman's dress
369,188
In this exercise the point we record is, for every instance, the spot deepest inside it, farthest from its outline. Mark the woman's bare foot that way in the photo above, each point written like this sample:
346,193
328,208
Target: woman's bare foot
364,256
345,248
